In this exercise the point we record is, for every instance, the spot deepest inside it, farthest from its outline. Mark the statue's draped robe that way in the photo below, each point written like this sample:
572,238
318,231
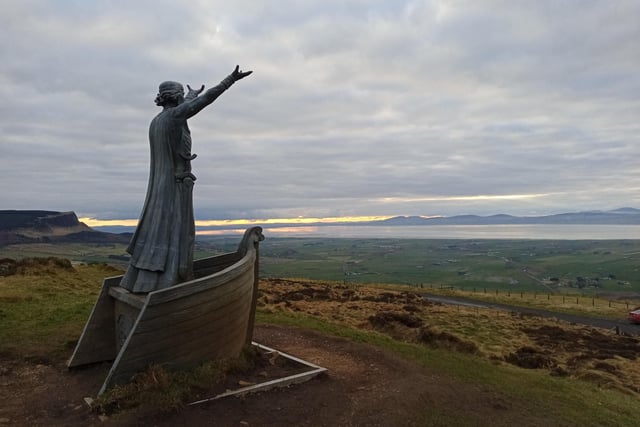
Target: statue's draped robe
162,246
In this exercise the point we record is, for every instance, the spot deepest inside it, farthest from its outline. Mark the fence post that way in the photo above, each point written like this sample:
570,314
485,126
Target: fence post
563,299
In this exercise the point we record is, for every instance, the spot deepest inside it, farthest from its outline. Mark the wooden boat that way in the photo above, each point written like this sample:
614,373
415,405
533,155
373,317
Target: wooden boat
209,317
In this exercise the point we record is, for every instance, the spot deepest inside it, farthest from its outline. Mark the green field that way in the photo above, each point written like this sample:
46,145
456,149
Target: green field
111,253
603,267
543,266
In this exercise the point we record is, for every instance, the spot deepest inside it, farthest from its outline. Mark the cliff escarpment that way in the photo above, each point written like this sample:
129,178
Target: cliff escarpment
41,226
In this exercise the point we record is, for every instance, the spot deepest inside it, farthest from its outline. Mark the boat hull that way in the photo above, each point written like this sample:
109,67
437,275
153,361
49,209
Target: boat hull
207,318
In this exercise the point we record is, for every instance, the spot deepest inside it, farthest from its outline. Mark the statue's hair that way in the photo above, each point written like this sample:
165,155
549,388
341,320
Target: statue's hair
169,92
165,98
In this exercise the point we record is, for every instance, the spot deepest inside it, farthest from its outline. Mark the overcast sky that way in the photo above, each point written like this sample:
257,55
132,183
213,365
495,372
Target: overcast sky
359,107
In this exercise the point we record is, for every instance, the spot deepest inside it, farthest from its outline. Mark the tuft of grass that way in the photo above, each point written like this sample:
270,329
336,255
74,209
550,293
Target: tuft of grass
160,390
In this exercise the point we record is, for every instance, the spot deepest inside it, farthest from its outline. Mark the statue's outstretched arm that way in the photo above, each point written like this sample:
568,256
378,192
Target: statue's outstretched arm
197,103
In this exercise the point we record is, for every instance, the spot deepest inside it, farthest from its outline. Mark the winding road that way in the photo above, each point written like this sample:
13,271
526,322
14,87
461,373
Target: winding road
621,325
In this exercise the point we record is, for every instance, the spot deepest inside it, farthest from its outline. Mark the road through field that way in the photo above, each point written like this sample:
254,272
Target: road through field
622,325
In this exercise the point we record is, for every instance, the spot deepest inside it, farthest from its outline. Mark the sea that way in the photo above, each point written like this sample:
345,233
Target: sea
520,231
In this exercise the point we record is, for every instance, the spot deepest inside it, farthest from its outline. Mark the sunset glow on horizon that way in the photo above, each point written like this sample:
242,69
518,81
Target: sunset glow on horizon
95,222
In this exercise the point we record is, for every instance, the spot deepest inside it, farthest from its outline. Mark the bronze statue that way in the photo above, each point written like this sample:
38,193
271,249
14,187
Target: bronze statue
162,246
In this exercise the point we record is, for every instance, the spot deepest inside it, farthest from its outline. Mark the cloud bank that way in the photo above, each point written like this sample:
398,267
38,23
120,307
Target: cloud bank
354,108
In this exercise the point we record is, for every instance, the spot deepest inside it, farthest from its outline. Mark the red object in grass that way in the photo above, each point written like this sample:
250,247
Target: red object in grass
634,315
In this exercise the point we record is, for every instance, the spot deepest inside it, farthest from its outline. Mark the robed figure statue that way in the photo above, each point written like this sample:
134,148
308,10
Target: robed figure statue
162,247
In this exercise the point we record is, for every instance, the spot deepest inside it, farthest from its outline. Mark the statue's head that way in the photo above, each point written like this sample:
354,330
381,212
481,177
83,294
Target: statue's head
170,93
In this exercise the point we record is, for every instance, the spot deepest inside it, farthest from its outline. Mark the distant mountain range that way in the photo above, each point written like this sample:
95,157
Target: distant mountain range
38,226
622,216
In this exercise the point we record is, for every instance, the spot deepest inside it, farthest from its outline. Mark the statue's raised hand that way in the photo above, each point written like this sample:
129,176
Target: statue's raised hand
193,93
239,74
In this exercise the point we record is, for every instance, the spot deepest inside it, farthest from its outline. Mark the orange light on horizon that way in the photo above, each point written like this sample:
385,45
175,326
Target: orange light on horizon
270,230
94,222
298,220
285,230
219,232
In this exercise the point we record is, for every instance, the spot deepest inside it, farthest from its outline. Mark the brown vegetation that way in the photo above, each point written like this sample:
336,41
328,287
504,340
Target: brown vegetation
33,266
525,341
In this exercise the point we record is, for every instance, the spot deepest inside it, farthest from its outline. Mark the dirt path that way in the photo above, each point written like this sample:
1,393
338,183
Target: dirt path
365,386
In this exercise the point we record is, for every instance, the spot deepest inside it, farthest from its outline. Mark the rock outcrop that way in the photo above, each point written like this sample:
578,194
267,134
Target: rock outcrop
37,226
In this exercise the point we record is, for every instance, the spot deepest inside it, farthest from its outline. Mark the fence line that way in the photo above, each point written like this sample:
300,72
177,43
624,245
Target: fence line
570,299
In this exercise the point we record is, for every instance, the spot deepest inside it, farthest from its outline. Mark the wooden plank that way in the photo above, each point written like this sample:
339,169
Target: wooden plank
219,332
97,343
173,313
217,260
254,297
212,330
122,294
222,346
314,371
190,327
124,368
215,295
212,265
204,283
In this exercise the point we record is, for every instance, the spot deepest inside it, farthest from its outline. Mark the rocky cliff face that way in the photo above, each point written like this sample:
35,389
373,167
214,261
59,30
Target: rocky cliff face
50,226
38,220
58,220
